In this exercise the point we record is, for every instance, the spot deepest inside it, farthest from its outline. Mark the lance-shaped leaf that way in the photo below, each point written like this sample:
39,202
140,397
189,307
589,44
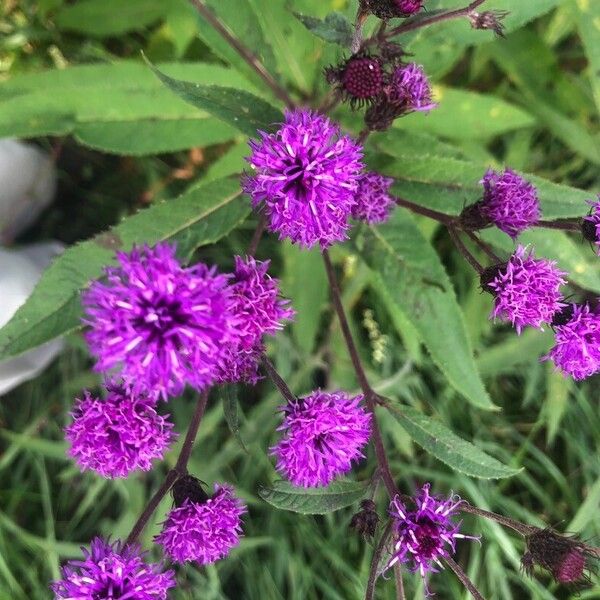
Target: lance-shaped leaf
334,28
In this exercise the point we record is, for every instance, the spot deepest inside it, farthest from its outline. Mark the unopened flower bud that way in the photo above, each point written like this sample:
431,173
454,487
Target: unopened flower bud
360,79
188,487
365,521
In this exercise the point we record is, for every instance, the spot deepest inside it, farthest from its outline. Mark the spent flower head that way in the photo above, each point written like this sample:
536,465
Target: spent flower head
373,200
163,324
526,290
305,177
119,434
324,433
489,19
112,571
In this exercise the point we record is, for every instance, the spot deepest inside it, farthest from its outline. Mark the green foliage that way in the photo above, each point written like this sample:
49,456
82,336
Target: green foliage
334,28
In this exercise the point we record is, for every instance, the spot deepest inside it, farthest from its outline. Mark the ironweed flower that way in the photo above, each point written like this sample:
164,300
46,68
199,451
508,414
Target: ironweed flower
526,290
590,226
200,528
118,435
426,534
373,201
164,324
112,571
323,434
259,310
306,176
360,79
410,89
576,350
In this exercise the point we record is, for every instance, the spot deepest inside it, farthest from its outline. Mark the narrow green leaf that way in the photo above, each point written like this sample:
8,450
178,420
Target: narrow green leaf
242,110
588,22
418,283
200,216
313,501
334,28
434,437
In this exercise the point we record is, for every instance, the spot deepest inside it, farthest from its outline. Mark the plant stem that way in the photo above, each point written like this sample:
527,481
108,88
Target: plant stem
257,235
363,135
464,251
399,582
370,592
368,392
175,473
426,212
464,579
517,526
562,224
484,246
280,384
249,57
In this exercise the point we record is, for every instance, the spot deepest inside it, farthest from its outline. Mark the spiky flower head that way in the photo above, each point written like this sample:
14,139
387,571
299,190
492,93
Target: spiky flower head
163,324
410,90
590,226
117,435
306,175
373,200
112,571
526,290
576,350
203,529
323,434
360,79
426,533
259,310
509,202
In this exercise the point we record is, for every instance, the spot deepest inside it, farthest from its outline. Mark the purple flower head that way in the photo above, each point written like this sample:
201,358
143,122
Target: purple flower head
409,7
389,9
259,310
360,79
324,433
426,534
203,531
526,290
166,325
112,572
373,201
591,224
118,435
510,202
306,175
576,350
410,89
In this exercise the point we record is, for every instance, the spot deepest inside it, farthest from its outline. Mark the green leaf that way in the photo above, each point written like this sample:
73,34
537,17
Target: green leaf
434,437
313,501
242,110
588,22
201,216
110,17
334,28
418,283
230,411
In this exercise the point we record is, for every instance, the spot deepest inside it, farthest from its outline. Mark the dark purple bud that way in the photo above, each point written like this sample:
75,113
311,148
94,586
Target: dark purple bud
365,521
381,115
360,79
188,487
389,9
571,567
491,19
474,218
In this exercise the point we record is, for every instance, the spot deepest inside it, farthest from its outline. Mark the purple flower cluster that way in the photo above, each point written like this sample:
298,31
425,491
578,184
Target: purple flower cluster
112,572
410,89
426,534
203,531
510,202
163,324
526,290
324,433
306,176
373,200
117,435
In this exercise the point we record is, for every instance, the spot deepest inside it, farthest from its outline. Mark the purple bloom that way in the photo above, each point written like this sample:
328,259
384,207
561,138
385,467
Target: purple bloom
576,349
259,310
410,89
409,7
112,572
166,325
203,531
324,433
306,175
591,224
425,534
526,290
118,435
373,201
510,202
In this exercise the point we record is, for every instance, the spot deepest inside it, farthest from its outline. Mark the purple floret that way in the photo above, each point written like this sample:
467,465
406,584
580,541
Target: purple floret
410,88
576,350
117,435
305,177
203,532
373,201
409,7
323,434
163,324
111,571
509,201
425,534
527,290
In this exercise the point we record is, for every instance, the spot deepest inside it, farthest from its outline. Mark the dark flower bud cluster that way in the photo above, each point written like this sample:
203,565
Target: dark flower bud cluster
365,521
389,9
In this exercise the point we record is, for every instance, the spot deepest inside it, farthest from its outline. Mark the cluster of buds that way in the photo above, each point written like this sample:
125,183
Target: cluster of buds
390,9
